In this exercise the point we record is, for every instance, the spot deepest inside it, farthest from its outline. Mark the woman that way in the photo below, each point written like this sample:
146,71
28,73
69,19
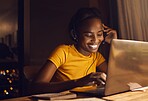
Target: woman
75,65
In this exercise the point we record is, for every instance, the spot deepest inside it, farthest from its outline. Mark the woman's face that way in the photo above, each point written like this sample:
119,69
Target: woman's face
90,36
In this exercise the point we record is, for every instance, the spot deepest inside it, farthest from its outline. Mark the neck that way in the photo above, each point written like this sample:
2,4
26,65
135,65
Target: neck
82,51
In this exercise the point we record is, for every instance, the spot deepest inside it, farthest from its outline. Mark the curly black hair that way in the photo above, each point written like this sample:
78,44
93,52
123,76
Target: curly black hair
80,16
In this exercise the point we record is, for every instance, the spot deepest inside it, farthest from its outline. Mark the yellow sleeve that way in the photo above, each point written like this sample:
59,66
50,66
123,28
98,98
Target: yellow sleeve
58,56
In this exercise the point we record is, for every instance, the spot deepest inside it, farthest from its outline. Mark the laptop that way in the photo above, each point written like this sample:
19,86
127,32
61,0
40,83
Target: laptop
128,64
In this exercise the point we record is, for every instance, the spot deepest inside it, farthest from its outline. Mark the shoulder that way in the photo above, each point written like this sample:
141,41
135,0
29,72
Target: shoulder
63,47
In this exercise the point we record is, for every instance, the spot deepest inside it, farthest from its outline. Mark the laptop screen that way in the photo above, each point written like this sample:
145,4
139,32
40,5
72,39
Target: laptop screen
128,63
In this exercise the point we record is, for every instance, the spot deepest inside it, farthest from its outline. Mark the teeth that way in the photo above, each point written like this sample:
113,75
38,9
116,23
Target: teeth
93,46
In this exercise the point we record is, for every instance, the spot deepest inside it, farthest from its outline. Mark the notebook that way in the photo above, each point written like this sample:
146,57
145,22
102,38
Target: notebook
127,67
54,96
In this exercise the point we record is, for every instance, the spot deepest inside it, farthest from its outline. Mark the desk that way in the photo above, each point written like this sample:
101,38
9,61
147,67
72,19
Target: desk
127,96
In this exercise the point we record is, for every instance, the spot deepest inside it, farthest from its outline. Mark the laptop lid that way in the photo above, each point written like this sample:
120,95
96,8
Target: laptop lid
128,63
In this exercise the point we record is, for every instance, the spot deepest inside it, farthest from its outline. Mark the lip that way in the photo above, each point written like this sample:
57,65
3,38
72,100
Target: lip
93,46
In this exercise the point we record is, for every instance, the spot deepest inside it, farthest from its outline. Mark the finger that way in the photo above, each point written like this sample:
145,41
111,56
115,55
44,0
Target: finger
96,75
99,75
101,81
104,26
103,76
112,34
108,30
92,83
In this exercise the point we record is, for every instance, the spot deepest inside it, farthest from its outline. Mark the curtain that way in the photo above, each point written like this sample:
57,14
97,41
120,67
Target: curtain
133,19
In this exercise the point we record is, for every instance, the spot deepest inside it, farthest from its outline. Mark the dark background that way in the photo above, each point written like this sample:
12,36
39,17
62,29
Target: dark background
33,28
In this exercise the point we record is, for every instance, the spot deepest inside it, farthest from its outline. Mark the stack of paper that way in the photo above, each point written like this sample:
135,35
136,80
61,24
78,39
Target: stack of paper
54,96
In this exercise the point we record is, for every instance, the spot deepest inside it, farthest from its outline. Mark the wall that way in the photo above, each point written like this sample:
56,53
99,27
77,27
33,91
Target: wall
48,24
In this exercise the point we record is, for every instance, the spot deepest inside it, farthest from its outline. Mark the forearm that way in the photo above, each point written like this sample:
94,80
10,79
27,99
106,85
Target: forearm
36,88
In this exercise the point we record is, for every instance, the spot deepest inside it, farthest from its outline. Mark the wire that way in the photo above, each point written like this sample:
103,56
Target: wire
92,63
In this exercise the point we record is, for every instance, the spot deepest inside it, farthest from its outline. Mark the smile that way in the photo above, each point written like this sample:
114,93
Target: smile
93,46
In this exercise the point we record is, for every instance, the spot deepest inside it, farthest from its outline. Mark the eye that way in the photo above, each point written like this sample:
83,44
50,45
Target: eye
88,34
100,33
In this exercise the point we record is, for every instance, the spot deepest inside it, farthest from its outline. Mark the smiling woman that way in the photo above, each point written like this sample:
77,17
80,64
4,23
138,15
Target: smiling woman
90,36
76,64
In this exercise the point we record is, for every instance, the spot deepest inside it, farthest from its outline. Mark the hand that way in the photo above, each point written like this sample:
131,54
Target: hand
90,79
111,34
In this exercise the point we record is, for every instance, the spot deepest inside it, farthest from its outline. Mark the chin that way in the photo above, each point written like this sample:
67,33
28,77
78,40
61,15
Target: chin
94,51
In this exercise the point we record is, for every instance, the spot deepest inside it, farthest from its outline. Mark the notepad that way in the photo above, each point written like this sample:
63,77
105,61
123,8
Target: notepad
54,96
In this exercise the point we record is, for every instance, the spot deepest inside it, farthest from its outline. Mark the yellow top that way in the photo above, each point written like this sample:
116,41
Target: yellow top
73,65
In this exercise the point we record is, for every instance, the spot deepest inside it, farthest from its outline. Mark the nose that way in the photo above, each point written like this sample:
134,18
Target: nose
95,39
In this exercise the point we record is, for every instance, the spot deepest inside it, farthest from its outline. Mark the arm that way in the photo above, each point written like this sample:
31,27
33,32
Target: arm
42,84
103,68
111,34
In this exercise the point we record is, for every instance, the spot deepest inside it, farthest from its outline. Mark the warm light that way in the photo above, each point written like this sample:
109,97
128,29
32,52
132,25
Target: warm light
1,72
8,78
7,71
11,75
10,81
13,70
5,91
4,73
11,88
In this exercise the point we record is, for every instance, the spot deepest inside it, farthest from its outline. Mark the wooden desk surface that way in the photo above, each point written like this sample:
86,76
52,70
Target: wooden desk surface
127,96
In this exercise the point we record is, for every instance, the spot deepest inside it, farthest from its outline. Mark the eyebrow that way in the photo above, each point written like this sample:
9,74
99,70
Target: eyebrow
101,30
91,32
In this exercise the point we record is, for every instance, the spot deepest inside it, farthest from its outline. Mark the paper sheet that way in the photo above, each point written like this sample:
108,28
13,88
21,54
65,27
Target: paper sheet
137,87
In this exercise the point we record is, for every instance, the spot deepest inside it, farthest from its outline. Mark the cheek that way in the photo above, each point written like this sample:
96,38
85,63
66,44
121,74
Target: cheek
101,38
83,39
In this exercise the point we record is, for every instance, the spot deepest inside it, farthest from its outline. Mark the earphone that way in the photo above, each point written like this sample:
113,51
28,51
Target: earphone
91,64
74,33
